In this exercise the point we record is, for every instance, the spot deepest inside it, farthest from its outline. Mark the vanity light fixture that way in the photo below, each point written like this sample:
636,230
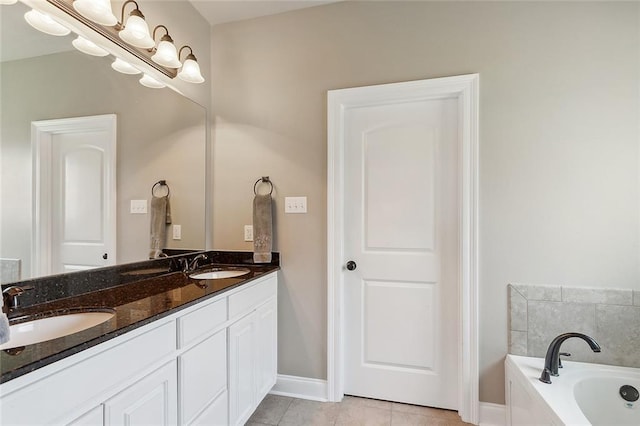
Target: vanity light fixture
124,67
88,47
45,23
135,31
190,71
99,11
166,53
132,36
151,82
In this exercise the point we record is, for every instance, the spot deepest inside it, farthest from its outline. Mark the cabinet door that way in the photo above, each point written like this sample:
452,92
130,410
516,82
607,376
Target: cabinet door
242,357
150,401
267,350
93,417
203,376
216,414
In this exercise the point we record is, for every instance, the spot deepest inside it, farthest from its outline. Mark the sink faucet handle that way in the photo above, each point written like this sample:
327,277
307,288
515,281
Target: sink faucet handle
194,262
560,359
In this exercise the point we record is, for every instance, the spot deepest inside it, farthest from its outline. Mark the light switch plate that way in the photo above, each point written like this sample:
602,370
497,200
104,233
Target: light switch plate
177,232
295,204
138,206
248,232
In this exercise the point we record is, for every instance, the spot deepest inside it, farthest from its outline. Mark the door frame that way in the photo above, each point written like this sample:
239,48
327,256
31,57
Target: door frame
466,89
41,138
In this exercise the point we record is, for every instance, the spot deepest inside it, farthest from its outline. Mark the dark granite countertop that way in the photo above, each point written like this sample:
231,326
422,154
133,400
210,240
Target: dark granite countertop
153,293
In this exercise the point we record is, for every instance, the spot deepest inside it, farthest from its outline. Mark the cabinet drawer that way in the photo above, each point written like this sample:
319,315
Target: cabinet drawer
197,324
246,300
58,395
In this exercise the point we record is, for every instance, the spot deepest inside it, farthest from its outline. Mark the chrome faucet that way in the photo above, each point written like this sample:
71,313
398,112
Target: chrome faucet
10,296
552,359
189,267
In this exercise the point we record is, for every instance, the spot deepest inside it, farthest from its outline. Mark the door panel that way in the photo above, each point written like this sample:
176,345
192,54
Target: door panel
75,173
395,157
401,324
79,216
382,334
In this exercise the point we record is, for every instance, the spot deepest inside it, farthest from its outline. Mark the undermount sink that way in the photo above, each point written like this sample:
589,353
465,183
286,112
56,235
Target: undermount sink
217,274
51,327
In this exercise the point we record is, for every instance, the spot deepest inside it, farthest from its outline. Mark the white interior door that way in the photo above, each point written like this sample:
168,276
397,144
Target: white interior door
401,224
76,168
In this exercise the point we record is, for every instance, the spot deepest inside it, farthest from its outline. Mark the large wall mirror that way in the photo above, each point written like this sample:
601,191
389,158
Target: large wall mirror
160,136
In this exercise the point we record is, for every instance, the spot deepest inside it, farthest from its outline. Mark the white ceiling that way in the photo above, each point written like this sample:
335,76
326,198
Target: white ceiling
221,11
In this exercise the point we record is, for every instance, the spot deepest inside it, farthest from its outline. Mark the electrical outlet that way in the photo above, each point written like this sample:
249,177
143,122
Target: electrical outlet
248,232
138,207
177,232
295,204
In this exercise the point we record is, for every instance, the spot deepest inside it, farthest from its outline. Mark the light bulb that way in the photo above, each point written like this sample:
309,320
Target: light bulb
98,11
190,71
124,67
151,82
88,47
45,23
136,31
166,54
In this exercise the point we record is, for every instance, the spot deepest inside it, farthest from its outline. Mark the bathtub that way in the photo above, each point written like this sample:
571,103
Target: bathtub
583,394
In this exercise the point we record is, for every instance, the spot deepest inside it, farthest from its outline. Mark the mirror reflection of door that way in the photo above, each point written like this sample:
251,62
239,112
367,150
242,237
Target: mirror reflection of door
75,193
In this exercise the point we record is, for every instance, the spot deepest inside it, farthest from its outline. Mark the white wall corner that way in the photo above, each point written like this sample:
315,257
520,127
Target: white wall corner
300,387
493,414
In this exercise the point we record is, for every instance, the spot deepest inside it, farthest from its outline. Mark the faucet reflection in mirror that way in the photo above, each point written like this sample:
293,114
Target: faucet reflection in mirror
132,35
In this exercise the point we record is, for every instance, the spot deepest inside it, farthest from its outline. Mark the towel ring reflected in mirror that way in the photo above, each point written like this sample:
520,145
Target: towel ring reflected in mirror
263,179
161,183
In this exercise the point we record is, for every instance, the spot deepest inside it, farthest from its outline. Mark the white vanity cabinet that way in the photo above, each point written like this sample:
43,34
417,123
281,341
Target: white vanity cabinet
202,364
252,352
209,364
267,350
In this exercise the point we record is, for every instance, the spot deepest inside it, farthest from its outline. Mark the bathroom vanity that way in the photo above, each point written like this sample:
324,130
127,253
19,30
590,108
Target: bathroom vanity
177,351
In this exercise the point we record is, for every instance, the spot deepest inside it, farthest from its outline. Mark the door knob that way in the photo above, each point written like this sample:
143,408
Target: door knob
105,256
351,265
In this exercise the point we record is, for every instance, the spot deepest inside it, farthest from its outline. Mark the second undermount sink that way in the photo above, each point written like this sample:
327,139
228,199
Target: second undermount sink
54,326
220,273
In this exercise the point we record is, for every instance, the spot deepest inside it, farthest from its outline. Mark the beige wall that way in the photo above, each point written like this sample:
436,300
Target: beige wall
559,136
160,135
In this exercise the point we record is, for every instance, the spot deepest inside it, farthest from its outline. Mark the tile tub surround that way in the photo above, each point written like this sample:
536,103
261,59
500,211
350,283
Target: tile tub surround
9,270
139,293
538,313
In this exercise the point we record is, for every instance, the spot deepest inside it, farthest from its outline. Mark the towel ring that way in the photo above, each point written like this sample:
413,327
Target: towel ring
161,183
263,179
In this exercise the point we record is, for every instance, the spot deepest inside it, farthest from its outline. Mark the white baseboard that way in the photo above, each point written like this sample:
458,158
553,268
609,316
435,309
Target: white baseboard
493,414
300,387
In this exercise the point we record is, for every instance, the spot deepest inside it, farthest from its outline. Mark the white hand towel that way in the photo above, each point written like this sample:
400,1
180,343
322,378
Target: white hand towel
262,229
4,324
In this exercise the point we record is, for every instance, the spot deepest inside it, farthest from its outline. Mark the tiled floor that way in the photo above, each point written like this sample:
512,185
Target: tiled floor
352,411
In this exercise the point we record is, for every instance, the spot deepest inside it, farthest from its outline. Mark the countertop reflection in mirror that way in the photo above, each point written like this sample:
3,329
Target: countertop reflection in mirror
160,135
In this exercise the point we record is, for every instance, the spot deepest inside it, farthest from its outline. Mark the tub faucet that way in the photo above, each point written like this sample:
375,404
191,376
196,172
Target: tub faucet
552,359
